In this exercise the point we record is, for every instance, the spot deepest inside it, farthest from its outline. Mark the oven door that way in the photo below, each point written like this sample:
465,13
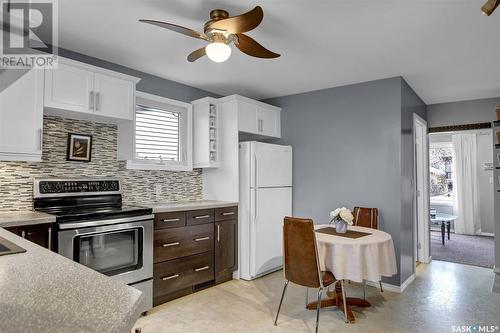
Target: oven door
123,250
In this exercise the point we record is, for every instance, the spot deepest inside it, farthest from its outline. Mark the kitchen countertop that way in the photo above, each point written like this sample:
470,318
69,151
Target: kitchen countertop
177,206
41,291
14,219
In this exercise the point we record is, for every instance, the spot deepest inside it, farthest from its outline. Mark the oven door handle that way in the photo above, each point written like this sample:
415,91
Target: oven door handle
79,225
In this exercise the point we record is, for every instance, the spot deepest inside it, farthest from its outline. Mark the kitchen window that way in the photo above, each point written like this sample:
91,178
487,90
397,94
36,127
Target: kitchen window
441,173
162,134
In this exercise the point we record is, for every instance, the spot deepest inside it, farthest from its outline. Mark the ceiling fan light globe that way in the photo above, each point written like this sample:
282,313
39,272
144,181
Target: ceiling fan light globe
218,52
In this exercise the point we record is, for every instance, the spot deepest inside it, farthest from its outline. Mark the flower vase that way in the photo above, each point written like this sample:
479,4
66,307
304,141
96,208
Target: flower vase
341,226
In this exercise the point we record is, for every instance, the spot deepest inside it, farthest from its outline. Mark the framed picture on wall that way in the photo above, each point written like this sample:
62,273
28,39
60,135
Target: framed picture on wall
79,147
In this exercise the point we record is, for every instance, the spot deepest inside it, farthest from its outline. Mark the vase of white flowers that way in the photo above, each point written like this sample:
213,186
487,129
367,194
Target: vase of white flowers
341,217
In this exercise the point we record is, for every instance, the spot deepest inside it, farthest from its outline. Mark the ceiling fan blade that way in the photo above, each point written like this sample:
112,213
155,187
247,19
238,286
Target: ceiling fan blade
251,47
195,55
490,6
241,23
176,28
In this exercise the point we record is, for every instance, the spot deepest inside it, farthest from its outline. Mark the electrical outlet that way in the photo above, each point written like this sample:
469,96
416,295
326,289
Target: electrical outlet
158,189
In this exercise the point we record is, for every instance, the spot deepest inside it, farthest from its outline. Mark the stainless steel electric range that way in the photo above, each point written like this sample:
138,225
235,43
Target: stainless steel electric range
95,229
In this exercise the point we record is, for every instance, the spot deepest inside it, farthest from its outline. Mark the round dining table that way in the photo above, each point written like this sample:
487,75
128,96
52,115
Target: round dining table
363,254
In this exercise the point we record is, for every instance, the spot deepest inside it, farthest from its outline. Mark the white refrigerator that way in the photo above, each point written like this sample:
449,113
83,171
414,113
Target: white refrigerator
265,199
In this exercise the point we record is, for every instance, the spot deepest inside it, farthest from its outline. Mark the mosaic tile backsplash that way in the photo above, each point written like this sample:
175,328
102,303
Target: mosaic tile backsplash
16,178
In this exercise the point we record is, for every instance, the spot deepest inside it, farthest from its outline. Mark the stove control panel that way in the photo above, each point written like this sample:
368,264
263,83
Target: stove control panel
75,186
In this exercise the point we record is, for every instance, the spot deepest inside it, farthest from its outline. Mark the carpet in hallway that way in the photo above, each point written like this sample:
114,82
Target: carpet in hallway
464,249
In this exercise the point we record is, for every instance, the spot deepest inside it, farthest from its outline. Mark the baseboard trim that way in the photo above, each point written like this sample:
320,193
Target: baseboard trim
391,287
489,234
496,270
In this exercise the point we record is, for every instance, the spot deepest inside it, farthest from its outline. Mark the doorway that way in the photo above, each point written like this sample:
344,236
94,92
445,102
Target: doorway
461,197
421,225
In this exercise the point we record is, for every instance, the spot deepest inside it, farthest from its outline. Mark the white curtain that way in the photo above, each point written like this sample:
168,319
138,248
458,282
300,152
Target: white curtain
465,182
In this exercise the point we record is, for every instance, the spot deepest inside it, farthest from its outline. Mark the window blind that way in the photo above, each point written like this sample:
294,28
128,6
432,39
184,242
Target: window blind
157,134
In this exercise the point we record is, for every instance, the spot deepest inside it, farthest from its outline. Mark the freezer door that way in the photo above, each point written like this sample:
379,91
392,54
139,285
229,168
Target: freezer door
272,165
270,206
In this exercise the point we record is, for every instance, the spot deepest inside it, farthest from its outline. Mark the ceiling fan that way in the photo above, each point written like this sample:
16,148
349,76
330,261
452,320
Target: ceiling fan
490,6
221,31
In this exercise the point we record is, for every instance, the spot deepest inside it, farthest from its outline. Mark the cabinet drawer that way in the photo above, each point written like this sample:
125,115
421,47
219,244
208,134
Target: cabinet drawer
173,275
182,242
226,213
200,216
170,220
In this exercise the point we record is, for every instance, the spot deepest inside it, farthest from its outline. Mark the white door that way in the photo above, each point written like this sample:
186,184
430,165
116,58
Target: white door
267,122
69,88
421,225
272,165
21,118
114,97
270,206
247,117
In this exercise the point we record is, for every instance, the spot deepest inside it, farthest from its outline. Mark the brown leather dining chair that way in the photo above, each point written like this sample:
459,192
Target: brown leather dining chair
368,218
301,263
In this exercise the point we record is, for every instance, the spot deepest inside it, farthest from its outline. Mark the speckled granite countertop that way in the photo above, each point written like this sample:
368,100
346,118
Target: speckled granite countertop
177,206
41,291
14,219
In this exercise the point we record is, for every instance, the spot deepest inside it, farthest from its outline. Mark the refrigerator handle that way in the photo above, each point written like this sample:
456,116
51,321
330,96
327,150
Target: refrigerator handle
255,187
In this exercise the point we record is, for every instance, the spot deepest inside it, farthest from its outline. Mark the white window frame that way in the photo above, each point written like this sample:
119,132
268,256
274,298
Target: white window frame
185,162
442,202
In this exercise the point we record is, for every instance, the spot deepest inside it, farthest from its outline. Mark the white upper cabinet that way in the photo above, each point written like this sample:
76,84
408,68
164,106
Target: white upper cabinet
69,87
255,117
21,118
78,90
114,97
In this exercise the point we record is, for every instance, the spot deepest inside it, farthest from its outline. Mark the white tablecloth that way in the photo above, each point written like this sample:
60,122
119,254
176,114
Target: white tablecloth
365,258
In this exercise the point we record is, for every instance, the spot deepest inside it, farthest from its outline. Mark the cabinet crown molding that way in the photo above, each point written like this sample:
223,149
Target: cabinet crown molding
97,69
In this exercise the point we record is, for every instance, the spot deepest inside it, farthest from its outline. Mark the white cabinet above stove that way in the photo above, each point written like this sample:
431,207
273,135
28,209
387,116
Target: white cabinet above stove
77,90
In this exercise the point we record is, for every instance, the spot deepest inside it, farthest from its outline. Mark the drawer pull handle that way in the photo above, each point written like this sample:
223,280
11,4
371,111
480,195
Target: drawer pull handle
204,268
170,244
227,213
165,278
201,239
171,220
201,216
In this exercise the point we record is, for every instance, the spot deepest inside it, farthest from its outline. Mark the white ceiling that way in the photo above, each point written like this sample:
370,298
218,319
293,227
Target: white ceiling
445,49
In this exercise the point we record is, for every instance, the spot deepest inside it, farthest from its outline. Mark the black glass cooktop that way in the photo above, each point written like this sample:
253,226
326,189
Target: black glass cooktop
82,214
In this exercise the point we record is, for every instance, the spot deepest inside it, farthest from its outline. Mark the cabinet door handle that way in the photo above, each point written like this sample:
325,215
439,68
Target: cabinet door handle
165,278
97,101
218,232
170,244
91,100
171,220
260,125
204,268
201,239
49,242
202,216
227,213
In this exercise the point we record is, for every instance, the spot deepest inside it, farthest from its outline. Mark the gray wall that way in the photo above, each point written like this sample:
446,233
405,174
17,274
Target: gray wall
149,83
459,113
348,147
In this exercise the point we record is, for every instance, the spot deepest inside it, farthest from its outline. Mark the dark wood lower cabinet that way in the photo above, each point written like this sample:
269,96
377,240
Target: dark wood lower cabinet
40,234
195,252
226,253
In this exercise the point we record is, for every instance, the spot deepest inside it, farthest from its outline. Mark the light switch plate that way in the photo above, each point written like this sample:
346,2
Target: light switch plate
158,189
